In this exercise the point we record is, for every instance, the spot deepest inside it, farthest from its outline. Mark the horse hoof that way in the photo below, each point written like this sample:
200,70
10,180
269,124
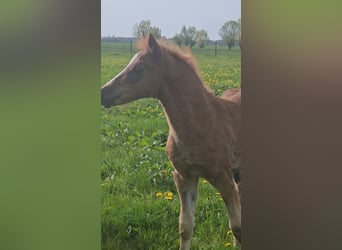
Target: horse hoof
237,234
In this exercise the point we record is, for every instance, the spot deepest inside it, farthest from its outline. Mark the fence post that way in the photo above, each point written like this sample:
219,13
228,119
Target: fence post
130,47
215,48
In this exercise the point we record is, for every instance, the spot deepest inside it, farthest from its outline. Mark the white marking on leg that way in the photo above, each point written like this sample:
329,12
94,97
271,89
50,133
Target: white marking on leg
187,190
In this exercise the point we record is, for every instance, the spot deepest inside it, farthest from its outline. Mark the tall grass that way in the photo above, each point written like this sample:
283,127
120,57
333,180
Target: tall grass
140,205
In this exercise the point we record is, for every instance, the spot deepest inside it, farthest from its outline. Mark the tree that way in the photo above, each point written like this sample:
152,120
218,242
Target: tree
109,39
229,33
201,38
177,39
239,34
143,28
186,37
156,32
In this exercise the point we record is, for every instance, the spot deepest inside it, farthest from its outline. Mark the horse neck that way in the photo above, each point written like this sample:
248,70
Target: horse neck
187,103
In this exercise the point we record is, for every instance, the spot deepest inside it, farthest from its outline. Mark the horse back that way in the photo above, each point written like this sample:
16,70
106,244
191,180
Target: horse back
233,95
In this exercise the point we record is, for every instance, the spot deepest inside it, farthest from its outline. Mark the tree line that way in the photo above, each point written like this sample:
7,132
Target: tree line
230,32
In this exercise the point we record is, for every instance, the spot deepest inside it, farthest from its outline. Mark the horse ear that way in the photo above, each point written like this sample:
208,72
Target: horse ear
152,43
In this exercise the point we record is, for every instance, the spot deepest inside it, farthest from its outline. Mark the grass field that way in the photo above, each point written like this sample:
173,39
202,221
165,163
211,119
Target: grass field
140,205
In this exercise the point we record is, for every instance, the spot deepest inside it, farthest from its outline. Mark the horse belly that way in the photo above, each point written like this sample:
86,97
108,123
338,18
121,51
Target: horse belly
187,167
206,160
201,165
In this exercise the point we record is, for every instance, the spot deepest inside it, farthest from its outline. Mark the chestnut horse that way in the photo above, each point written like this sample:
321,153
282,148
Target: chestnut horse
204,129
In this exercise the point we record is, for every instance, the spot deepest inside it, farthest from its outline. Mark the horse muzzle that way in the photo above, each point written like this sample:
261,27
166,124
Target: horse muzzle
110,95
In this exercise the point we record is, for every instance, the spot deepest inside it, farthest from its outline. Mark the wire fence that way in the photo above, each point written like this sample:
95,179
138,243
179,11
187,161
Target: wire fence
129,48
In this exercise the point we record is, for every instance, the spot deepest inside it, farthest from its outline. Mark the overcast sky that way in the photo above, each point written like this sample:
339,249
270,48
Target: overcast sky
119,16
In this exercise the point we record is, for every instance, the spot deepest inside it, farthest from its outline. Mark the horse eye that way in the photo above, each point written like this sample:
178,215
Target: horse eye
135,74
138,68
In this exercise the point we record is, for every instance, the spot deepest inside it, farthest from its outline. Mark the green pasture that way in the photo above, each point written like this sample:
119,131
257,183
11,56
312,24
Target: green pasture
140,204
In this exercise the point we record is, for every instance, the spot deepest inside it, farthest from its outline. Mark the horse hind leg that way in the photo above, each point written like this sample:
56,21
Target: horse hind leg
228,189
187,191
237,180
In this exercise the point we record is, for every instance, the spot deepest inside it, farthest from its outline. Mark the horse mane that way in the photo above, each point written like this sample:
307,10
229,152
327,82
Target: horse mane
181,53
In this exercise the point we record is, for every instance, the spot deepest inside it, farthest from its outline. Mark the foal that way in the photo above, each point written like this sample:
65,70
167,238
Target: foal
204,130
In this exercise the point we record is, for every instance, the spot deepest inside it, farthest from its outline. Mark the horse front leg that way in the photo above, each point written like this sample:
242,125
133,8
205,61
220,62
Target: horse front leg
187,191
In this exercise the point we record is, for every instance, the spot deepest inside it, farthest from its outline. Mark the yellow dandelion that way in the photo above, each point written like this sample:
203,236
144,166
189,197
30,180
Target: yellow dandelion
228,244
168,196
220,198
159,194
